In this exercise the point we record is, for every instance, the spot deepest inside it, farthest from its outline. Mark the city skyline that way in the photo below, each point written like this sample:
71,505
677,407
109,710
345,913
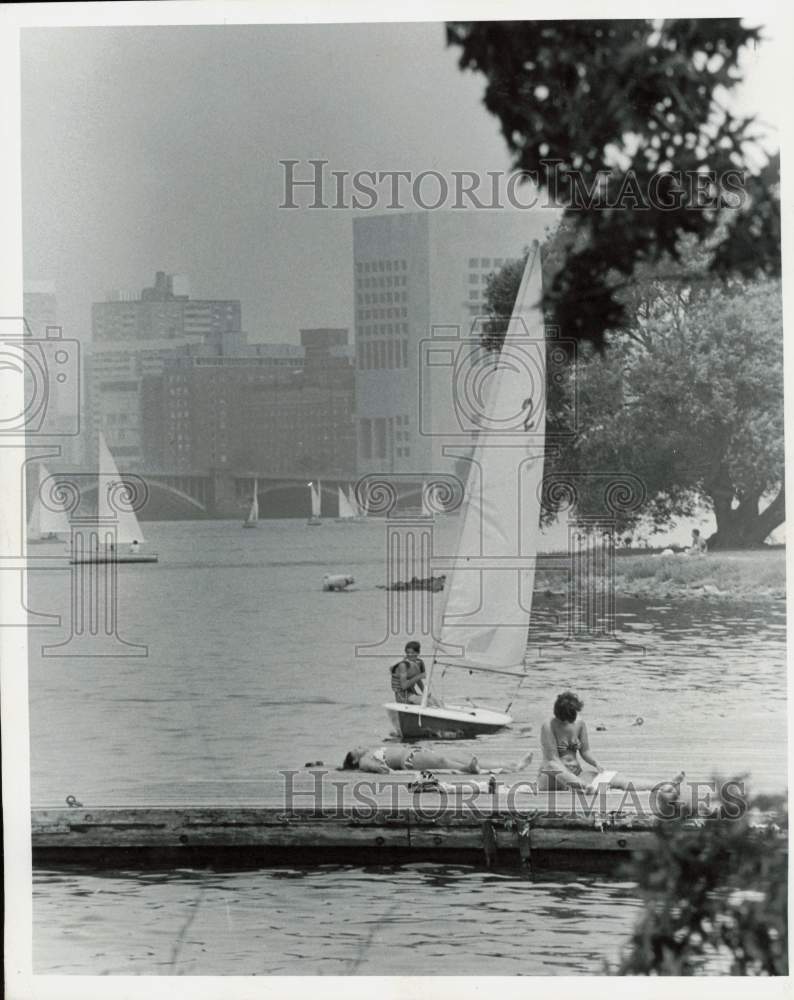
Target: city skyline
169,142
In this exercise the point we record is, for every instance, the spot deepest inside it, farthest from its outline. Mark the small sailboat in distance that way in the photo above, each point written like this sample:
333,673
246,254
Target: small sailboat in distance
486,617
45,524
349,512
129,537
252,521
316,500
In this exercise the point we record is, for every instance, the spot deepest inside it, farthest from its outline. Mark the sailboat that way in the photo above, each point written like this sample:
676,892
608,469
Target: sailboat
45,525
314,520
349,510
485,621
128,529
252,521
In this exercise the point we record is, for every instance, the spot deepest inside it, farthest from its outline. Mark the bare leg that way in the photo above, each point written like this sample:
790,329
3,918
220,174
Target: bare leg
496,767
429,760
621,782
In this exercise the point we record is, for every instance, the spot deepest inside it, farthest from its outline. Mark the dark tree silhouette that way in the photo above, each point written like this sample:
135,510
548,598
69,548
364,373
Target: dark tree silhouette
622,122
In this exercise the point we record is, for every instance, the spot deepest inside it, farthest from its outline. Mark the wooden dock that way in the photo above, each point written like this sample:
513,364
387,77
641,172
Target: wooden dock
358,819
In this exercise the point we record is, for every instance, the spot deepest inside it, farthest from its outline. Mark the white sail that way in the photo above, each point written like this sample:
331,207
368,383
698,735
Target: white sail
490,587
316,500
34,521
127,527
346,510
44,521
253,513
351,499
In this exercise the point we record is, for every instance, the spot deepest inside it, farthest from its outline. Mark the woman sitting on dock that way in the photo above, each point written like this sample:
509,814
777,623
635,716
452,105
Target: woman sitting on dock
384,760
564,740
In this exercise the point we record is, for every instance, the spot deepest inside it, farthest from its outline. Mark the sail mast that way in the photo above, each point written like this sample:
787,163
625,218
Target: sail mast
489,589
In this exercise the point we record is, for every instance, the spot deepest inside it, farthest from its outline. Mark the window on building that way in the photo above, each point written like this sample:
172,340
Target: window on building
405,355
474,278
473,262
485,262
474,294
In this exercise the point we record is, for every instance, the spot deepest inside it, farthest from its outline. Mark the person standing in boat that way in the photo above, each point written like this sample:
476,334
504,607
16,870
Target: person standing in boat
408,677
564,740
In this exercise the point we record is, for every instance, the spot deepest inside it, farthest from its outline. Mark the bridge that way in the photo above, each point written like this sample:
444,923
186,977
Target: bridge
177,496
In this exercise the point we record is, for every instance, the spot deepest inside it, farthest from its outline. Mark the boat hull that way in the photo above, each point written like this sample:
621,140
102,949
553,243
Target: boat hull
450,722
120,558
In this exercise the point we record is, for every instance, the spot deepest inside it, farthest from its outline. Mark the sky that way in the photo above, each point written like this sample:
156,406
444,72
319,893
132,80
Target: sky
148,149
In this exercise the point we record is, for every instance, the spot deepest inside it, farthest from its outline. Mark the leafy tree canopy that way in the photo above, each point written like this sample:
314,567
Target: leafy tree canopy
716,898
617,120
688,399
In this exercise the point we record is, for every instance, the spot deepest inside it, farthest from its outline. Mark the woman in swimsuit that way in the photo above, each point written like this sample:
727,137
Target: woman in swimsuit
383,760
564,740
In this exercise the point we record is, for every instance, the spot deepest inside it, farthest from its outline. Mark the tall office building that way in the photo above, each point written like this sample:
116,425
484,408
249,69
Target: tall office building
417,275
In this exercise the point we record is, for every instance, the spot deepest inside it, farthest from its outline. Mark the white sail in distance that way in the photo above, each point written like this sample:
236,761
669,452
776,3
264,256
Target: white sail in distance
43,520
489,590
127,527
346,510
253,513
316,501
351,499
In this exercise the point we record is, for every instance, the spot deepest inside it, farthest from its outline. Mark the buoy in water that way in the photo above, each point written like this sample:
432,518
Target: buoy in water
337,581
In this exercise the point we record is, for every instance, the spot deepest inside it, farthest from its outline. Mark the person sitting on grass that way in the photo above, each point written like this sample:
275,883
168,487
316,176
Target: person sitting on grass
564,740
698,546
384,760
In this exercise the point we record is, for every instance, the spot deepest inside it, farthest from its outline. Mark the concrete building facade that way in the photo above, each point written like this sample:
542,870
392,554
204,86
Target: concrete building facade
417,275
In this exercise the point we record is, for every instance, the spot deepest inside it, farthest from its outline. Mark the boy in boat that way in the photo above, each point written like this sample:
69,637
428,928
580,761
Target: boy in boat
408,677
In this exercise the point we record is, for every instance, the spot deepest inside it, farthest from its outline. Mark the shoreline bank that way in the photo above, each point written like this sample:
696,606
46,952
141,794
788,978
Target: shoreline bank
724,576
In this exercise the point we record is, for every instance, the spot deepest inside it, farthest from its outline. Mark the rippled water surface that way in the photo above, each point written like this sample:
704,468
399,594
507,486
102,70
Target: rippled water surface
251,668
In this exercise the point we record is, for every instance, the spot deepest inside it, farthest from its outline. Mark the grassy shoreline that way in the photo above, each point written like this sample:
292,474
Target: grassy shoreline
739,575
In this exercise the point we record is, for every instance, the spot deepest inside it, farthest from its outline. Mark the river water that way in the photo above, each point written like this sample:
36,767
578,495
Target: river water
250,667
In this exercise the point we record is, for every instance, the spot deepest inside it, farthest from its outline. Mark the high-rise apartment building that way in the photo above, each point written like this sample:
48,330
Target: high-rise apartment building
133,339
416,275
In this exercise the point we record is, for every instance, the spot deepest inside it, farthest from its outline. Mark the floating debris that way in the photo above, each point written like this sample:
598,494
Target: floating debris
434,583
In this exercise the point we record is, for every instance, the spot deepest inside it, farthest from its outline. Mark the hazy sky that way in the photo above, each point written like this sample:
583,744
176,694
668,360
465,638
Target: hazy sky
158,148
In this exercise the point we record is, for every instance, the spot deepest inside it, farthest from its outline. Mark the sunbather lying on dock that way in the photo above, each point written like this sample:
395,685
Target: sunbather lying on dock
383,760
564,740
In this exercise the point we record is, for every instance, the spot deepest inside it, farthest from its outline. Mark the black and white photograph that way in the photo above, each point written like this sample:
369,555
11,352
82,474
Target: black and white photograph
393,524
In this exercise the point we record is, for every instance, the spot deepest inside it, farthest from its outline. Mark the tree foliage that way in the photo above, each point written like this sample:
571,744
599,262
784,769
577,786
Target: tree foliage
617,120
716,899
689,397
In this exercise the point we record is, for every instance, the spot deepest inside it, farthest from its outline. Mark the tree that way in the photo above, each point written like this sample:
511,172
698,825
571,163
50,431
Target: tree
715,891
688,397
622,122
